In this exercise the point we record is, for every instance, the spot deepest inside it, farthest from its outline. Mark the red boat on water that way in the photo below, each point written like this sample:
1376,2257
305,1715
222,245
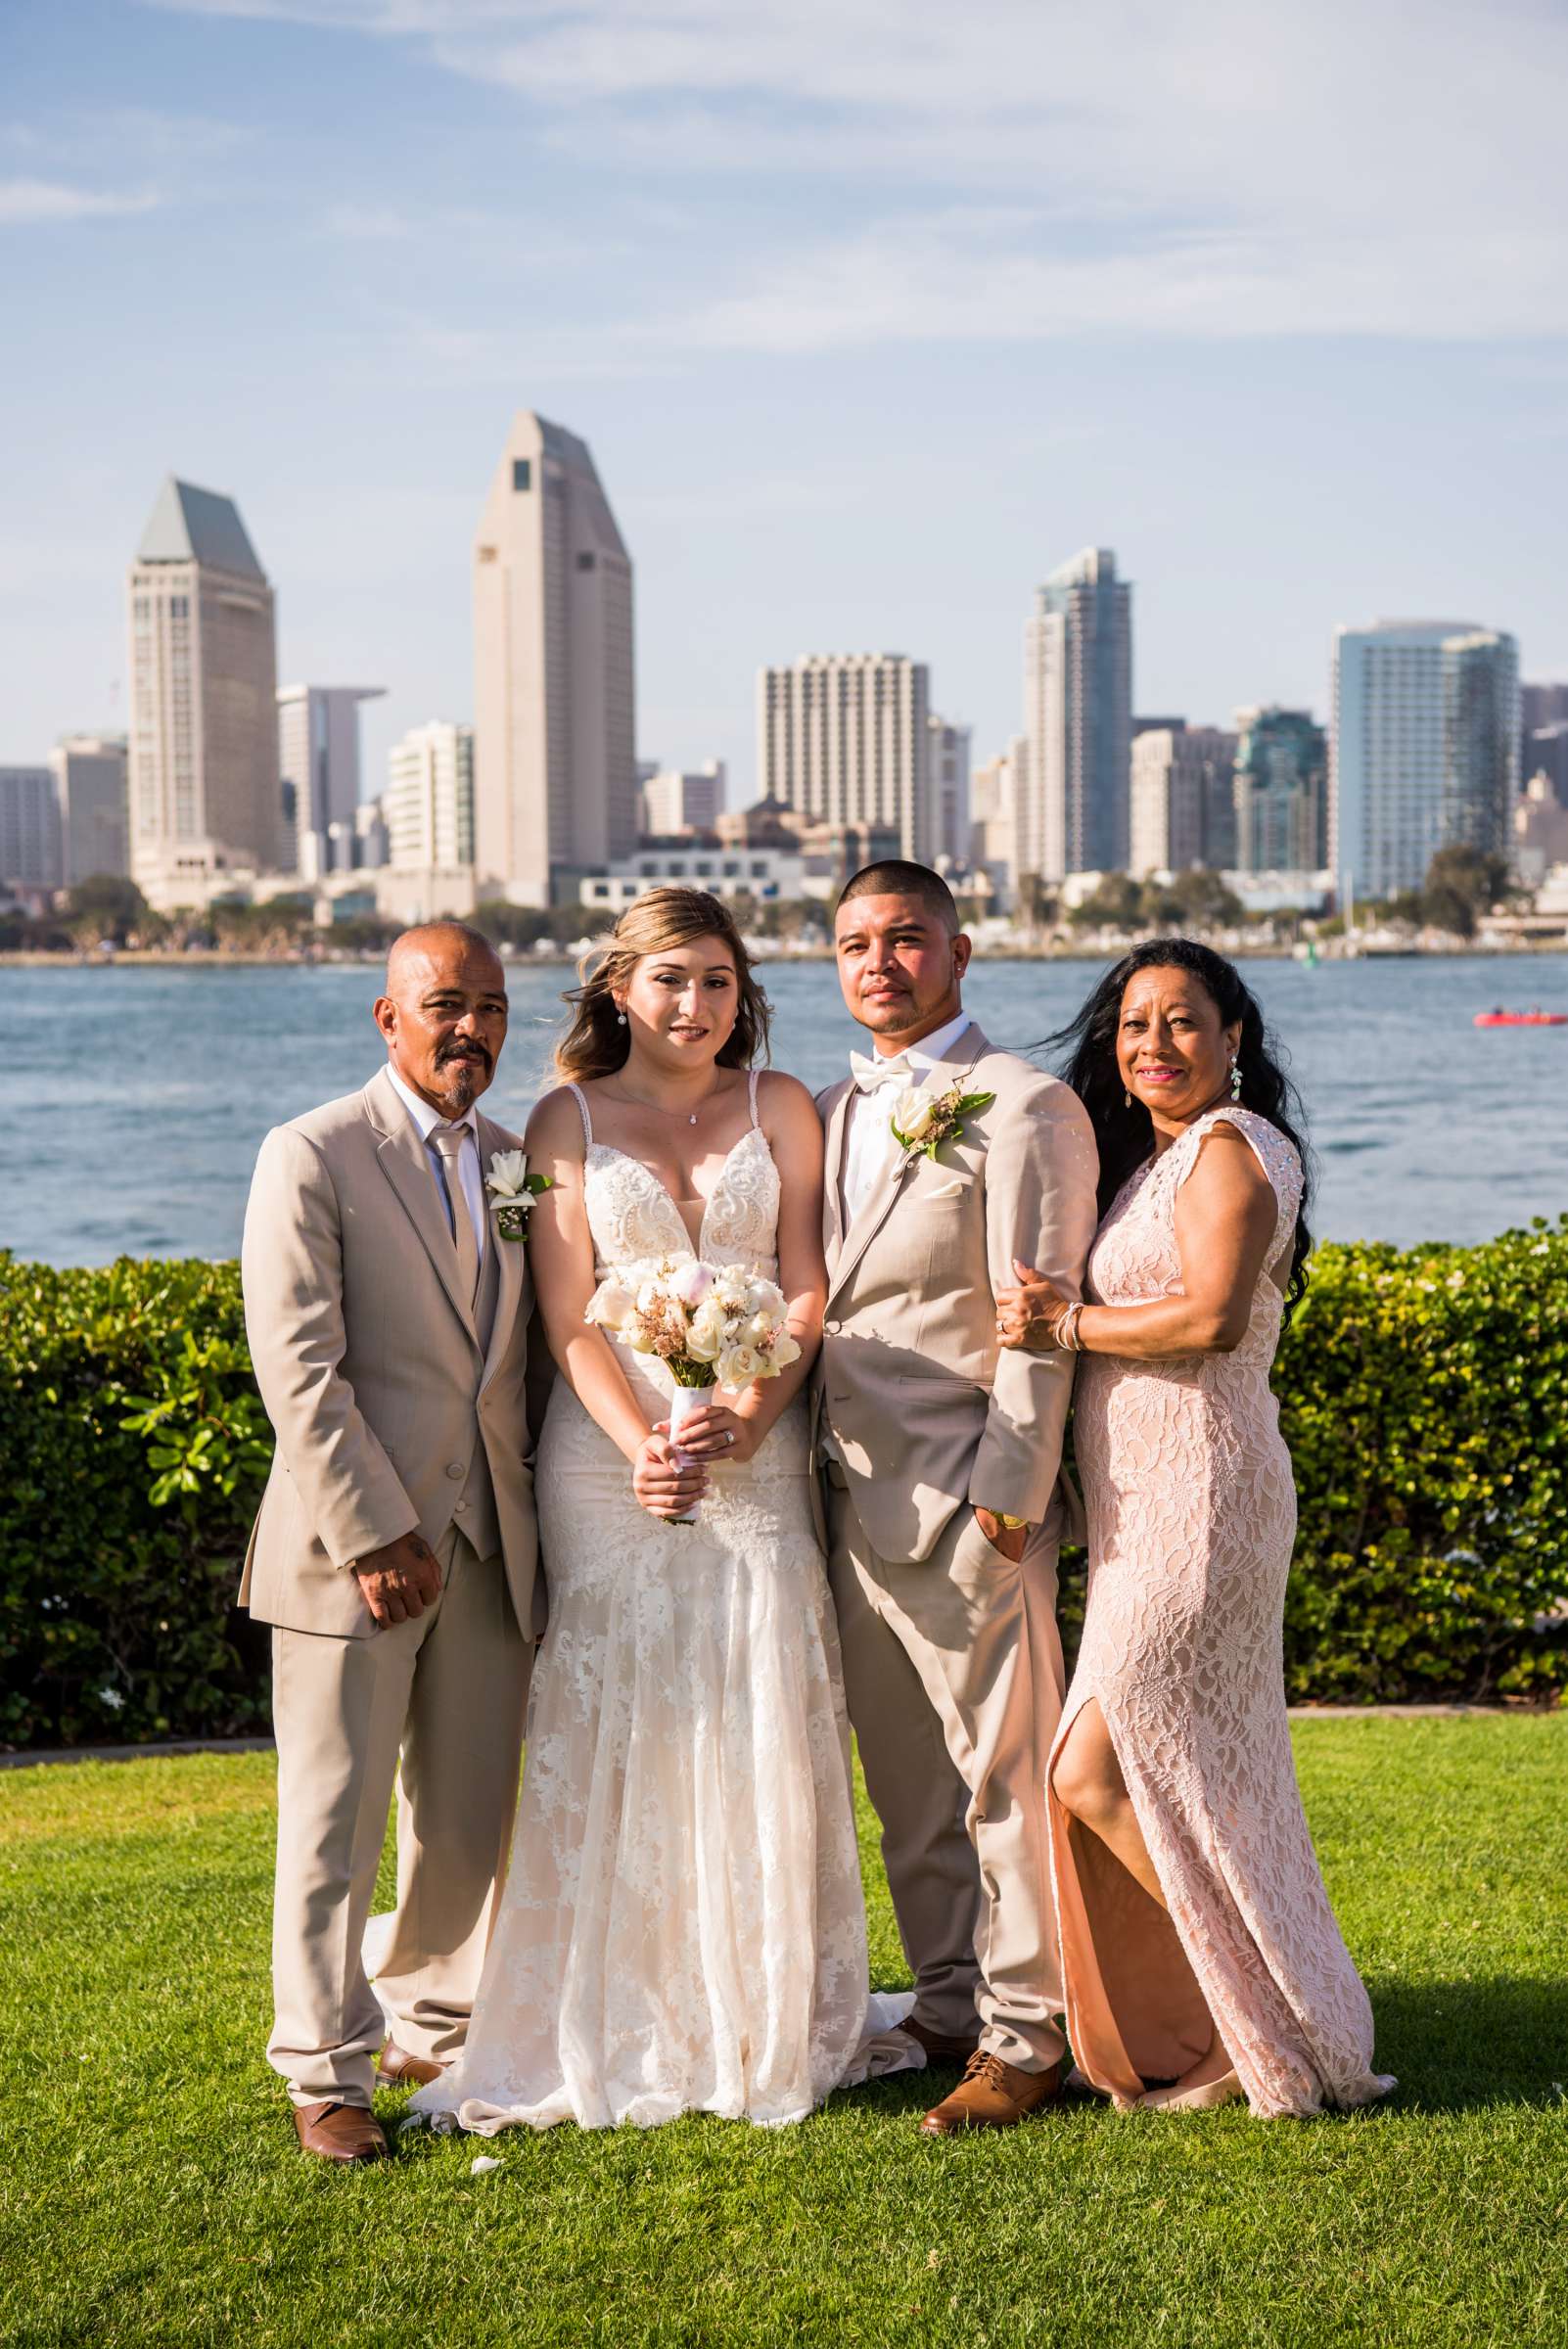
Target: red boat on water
1521,1019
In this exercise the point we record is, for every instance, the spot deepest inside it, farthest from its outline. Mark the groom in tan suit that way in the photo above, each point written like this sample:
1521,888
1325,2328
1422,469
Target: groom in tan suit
941,1458
394,1553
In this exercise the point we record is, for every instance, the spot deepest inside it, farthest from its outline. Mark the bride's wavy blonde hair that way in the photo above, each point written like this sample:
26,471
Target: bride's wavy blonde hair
595,1043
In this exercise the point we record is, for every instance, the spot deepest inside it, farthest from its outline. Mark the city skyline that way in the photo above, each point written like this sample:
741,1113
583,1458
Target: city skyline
864,335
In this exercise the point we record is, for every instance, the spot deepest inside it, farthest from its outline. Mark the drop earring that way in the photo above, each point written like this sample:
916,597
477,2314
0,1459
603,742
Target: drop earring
621,1019
1235,1080
1127,1098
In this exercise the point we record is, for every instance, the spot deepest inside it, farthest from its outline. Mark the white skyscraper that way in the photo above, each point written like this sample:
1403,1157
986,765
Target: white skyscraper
1424,749
950,789
204,787
555,697
89,771
1078,717
318,759
843,738
429,803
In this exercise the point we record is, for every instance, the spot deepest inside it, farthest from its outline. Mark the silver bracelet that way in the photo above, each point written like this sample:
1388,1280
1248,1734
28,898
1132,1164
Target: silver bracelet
1067,1337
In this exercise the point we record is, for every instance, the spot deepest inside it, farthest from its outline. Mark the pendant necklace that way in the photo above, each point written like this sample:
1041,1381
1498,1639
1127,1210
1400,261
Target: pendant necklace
691,1120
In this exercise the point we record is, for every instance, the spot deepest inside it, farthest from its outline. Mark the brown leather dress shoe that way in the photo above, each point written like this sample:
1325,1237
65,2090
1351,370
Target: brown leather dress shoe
940,2046
345,2133
992,2095
402,2070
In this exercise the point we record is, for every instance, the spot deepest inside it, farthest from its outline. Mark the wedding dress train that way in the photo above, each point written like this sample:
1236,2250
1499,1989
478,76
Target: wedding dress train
683,1927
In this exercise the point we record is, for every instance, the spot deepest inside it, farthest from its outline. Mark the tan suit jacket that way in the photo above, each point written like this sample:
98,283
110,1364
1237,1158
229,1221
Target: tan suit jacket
926,1411
389,1415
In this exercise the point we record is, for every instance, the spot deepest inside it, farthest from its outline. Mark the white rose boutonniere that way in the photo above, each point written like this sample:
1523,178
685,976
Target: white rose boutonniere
513,1191
922,1121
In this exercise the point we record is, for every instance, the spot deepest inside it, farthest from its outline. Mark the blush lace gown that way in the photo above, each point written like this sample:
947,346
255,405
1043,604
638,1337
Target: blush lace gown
1191,1522
683,1926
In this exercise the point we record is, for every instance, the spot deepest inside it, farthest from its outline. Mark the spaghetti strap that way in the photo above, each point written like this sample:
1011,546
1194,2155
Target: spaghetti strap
751,1095
582,1107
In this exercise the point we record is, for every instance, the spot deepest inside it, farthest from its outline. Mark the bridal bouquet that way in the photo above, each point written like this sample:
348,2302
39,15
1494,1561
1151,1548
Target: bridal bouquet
710,1324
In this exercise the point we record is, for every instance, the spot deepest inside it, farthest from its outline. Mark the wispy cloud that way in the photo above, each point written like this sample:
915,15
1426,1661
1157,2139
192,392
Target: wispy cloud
1203,168
25,202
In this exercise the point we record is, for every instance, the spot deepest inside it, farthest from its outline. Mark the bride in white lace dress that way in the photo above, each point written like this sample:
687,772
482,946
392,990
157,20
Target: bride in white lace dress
683,1926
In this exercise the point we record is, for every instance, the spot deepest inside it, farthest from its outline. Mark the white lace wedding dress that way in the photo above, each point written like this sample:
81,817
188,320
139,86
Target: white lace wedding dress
683,1927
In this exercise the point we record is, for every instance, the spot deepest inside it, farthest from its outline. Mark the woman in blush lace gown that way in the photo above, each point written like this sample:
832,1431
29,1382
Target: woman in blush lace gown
1198,1945
683,1926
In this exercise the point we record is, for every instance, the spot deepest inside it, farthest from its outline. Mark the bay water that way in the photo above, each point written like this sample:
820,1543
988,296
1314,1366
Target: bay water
132,1099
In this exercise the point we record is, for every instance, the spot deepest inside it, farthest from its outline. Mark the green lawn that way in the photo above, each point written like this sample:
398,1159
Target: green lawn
150,2188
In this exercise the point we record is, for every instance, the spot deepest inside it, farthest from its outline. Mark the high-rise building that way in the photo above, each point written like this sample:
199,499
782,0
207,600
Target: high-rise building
554,689
843,738
1281,791
1182,815
1544,751
994,790
204,790
672,799
1078,717
949,790
1424,752
1544,736
428,801
89,772
30,855
318,761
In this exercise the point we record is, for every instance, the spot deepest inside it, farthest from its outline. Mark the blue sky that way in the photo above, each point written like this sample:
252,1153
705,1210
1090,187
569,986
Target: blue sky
871,310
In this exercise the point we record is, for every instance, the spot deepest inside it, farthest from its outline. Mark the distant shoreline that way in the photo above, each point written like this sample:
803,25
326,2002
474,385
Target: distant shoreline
153,958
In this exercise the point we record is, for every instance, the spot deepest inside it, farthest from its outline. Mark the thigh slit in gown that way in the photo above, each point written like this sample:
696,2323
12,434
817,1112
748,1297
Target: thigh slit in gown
1192,1517
683,1926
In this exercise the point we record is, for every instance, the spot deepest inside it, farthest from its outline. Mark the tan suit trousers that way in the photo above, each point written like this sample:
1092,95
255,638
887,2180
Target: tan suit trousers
448,1689
966,1645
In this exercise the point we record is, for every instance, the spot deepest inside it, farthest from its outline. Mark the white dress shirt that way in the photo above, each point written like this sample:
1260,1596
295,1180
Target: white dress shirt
868,1144
468,1157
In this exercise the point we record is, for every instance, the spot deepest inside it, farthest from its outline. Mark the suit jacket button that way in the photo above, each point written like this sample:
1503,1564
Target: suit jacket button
833,1328
454,1467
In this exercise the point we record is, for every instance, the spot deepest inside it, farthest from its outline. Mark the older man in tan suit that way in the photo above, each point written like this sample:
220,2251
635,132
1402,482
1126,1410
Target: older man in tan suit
394,1553
943,1459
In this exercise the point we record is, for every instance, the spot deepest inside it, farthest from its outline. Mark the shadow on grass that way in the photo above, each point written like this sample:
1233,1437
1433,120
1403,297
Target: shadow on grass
1453,2046
1466,2046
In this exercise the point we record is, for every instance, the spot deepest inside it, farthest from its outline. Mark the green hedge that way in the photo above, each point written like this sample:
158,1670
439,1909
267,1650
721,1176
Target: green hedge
133,1449
1425,1400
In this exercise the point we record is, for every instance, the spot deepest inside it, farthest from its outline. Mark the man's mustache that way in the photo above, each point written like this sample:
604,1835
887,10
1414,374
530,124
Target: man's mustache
446,1052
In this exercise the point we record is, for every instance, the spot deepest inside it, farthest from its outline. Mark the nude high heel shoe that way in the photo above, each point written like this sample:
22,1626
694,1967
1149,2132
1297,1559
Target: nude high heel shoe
1223,2090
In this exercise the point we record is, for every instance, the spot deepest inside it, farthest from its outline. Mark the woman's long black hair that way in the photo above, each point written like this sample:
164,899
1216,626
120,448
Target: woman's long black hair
1124,1135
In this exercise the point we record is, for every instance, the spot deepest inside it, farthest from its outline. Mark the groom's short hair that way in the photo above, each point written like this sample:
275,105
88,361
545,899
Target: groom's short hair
899,877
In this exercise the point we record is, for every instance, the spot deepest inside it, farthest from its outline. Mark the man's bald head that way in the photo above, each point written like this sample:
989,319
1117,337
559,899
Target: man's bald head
444,1013
411,948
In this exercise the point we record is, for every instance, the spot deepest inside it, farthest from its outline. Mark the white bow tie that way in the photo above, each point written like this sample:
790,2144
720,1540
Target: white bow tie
868,1073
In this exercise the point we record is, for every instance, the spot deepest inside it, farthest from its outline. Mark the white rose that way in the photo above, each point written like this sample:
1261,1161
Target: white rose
759,1331
732,1286
914,1113
785,1351
691,1282
508,1175
738,1365
705,1337
765,1297
611,1307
